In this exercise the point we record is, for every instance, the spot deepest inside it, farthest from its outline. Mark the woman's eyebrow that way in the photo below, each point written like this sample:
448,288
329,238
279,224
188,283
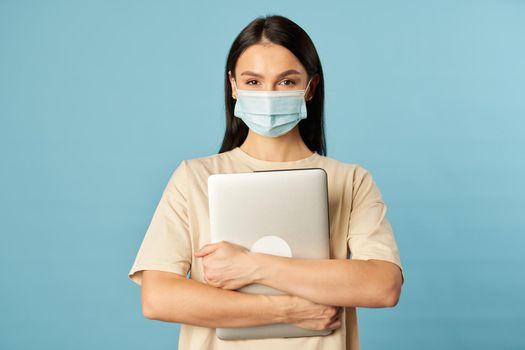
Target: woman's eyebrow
283,74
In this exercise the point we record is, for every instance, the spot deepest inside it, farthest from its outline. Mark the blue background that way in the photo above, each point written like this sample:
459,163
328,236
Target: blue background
100,100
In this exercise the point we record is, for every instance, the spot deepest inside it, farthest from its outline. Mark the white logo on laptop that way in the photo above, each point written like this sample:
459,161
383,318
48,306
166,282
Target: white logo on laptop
271,244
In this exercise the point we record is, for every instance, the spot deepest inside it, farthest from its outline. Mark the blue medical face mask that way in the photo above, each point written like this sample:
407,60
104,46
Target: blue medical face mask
271,113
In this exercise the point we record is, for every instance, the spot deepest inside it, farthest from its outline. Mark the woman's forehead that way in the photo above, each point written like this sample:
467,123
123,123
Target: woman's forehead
268,61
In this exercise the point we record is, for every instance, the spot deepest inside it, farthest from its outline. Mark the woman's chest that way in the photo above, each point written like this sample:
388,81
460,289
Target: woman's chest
339,207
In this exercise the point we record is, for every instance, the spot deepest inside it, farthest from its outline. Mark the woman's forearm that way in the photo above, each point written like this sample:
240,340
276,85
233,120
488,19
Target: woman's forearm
169,298
341,282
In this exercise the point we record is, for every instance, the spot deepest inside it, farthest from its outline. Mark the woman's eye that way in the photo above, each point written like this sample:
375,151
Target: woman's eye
286,82
290,81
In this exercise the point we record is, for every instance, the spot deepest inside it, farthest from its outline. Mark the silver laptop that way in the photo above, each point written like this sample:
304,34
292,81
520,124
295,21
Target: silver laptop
281,212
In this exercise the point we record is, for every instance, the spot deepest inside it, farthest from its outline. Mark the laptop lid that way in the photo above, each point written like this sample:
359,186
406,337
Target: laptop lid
281,212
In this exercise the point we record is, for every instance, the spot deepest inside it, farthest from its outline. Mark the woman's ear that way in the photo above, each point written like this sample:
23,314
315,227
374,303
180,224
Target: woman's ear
311,88
232,85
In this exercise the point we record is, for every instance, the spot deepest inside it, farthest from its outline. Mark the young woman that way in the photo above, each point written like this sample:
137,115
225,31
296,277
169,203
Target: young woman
274,120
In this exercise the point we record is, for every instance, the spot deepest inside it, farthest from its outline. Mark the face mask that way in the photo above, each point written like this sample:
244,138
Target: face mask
270,113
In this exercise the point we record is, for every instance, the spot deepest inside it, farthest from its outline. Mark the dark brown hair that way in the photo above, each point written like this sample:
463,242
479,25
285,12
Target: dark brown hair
281,31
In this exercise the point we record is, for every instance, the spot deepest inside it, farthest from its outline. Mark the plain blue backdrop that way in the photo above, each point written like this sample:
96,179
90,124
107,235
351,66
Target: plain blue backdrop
100,100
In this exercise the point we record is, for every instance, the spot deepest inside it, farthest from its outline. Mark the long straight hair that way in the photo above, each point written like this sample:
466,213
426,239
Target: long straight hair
281,31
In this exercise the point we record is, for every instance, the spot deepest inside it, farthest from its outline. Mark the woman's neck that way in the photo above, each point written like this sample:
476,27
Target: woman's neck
284,148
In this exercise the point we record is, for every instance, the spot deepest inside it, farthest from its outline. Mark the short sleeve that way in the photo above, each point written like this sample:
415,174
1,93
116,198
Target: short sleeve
370,234
167,245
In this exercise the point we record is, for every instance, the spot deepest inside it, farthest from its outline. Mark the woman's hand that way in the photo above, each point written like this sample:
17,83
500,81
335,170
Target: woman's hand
227,265
306,314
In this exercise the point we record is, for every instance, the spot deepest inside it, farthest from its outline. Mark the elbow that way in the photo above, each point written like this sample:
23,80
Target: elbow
148,306
391,284
393,293
392,298
154,292
148,312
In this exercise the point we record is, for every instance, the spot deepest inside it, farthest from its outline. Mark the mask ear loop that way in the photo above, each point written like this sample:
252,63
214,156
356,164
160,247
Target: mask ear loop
236,92
307,85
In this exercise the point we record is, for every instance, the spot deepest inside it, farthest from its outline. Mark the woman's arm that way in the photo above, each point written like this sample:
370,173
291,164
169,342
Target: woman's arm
171,297
343,282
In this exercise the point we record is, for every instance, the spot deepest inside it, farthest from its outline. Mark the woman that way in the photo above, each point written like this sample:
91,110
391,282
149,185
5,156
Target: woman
274,60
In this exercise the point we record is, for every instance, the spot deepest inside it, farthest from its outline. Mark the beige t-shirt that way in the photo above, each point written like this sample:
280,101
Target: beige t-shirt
359,229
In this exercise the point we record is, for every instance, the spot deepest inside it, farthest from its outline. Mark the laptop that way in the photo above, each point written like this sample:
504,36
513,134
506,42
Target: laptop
282,212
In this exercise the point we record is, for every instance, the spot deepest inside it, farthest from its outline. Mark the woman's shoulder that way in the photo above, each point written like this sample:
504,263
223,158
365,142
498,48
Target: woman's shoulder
207,160
346,167
205,165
